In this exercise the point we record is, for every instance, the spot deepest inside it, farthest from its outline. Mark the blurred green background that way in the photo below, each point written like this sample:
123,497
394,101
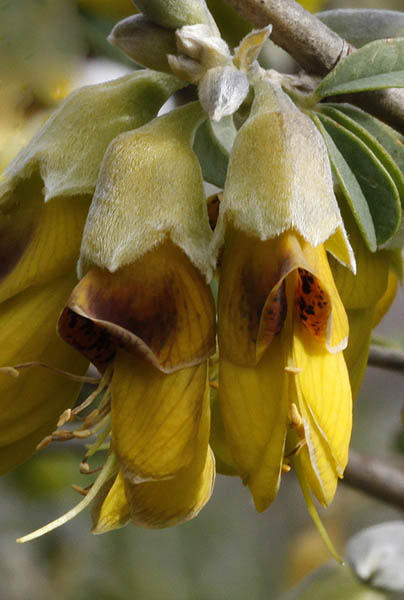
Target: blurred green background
48,48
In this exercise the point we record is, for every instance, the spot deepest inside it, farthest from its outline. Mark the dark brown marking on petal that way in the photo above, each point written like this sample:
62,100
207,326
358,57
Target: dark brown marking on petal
213,205
18,221
92,340
313,304
150,317
274,314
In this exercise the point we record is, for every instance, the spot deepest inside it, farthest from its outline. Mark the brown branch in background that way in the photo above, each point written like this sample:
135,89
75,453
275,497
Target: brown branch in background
317,49
376,479
386,358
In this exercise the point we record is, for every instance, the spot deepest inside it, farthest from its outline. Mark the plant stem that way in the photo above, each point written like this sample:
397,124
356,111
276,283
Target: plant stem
386,358
317,49
376,479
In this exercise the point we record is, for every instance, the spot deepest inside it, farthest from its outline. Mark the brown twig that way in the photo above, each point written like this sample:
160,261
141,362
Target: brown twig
386,358
376,479
317,49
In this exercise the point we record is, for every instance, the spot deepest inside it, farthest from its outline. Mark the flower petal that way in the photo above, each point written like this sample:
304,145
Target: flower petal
111,509
254,406
155,417
38,241
160,307
169,502
31,404
357,351
385,301
326,317
324,400
166,503
251,304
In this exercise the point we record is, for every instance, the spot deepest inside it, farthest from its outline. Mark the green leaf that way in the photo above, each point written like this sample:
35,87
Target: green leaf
212,145
364,25
387,136
377,186
343,118
350,188
377,65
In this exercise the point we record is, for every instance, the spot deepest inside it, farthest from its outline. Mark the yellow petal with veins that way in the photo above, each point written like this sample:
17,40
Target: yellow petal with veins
38,241
159,307
357,351
111,509
172,501
385,301
31,404
254,407
324,400
155,417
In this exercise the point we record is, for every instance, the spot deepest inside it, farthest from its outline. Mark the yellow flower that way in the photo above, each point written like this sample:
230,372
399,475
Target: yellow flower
144,315
283,384
44,200
366,295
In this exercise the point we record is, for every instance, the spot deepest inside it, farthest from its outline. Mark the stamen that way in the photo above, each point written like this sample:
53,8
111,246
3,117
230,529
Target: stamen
65,417
80,490
286,467
293,370
107,471
85,468
13,371
214,385
98,444
297,449
44,443
295,417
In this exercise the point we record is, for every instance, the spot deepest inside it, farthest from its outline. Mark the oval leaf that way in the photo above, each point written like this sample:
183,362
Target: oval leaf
390,139
376,555
377,65
377,186
351,189
359,26
372,143
212,145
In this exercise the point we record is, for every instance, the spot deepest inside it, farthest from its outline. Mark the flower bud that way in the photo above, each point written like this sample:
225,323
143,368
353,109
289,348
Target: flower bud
177,13
292,187
150,188
222,90
67,151
148,44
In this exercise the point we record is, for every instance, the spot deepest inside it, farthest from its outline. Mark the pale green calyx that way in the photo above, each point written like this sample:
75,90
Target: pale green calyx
67,151
279,178
150,188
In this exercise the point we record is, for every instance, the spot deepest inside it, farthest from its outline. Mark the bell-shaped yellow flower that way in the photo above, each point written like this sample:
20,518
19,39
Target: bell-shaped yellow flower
44,200
283,384
366,295
144,313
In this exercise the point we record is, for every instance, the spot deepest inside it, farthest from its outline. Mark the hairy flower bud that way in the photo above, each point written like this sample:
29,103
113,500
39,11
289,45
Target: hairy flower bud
148,44
174,14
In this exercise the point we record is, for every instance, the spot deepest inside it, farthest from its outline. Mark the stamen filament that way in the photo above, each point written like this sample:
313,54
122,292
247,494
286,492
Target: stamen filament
107,471
13,371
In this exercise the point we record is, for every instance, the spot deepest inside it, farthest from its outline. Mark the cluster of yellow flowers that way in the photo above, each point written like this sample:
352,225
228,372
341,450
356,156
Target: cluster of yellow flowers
106,175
